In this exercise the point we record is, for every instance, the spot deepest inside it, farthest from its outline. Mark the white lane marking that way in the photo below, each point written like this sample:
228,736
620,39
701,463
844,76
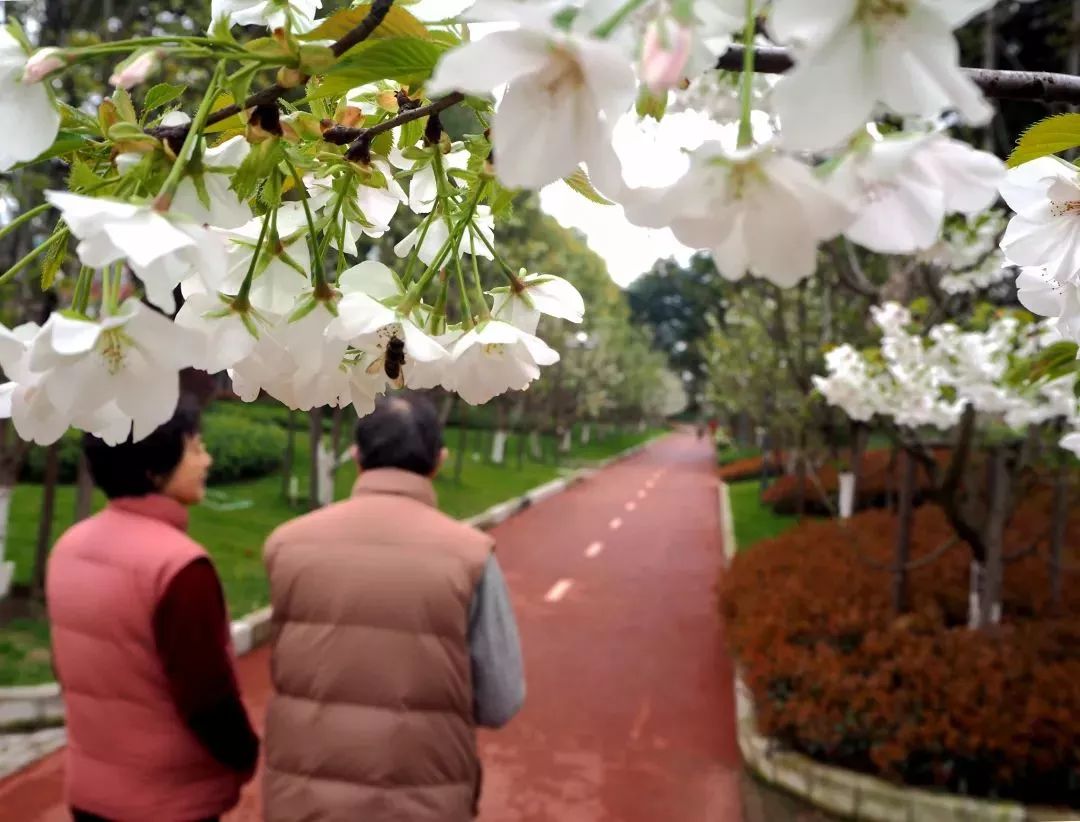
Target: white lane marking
615,524
630,506
558,590
642,494
594,550
650,483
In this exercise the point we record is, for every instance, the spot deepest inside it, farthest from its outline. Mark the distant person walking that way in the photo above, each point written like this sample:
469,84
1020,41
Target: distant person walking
393,639
141,643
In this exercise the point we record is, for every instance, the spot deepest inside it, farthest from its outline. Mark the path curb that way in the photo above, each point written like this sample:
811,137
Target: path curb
846,793
41,704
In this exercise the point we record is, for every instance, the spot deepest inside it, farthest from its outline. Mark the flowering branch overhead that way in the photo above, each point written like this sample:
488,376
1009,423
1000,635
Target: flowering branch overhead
1002,84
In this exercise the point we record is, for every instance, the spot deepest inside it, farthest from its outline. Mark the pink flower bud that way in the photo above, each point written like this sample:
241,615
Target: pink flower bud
136,70
664,54
41,64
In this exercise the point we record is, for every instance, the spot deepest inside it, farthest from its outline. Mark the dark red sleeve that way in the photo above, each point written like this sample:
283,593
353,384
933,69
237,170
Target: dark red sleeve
191,629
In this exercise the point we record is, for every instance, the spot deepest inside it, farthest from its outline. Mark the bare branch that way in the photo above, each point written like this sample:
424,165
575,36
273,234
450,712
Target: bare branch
1000,84
343,135
271,94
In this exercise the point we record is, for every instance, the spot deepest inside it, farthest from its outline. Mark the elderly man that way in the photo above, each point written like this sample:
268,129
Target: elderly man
393,639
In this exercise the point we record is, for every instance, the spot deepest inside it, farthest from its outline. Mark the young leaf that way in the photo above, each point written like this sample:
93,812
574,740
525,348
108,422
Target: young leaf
161,95
398,23
1050,136
408,60
124,107
580,182
54,258
81,176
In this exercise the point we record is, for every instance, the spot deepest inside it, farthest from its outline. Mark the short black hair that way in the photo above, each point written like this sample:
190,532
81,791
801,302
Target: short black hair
402,432
135,469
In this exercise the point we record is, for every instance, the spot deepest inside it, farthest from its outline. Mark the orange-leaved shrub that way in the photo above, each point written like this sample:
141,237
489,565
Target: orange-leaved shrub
918,699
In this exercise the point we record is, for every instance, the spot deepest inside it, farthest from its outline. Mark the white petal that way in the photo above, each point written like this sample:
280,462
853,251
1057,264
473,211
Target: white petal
501,57
372,278
421,346
38,122
808,22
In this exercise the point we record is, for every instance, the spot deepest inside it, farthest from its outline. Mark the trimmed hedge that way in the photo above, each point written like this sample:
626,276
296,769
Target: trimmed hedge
242,448
920,699
878,481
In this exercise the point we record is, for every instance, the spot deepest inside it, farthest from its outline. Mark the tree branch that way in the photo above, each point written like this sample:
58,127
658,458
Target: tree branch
344,135
1001,84
271,94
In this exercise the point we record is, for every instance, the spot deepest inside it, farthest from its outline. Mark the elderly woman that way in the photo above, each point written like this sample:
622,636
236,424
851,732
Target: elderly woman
141,644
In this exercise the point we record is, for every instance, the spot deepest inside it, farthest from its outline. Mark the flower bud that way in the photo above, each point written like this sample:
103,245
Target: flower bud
42,63
664,54
137,69
289,77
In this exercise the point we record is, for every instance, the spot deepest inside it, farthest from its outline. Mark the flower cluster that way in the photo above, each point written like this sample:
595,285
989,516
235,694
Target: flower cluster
919,380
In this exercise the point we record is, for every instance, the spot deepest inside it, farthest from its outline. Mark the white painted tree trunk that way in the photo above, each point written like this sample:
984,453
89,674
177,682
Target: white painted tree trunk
326,466
847,495
498,446
586,434
567,440
7,569
976,592
535,448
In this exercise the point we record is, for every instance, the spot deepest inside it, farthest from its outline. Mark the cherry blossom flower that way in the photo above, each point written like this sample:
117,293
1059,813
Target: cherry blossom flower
270,13
222,208
542,294
230,334
1045,232
496,357
564,94
900,54
164,250
42,63
26,102
438,233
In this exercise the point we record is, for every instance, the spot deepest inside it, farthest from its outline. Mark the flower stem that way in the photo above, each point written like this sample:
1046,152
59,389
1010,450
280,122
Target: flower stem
176,174
616,19
437,318
485,312
318,275
241,303
515,283
81,298
417,290
32,255
466,309
746,129
22,218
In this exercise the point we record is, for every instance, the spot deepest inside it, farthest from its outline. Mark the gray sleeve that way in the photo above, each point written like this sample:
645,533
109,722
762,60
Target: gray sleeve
495,651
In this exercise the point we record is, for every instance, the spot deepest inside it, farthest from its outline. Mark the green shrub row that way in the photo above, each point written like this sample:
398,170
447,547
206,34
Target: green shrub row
242,448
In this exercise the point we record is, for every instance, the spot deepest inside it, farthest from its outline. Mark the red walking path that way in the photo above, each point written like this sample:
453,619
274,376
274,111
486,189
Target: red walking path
629,716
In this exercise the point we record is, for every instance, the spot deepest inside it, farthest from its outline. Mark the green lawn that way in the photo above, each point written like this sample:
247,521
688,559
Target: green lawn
734,453
237,518
753,520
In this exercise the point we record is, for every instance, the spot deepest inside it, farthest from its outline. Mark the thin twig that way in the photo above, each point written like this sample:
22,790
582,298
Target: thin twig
271,94
1001,84
344,135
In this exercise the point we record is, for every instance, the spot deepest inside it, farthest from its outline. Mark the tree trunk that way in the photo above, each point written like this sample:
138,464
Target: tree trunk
463,442
84,490
536,445
1059,523
45,523
7,569
498,439
802,479
315,435
905,513
990,573
290,456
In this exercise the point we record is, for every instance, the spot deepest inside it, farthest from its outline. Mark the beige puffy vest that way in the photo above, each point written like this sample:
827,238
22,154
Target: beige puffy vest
372,714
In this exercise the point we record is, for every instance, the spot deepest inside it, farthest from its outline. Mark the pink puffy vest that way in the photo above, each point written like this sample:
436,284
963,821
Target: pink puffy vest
130,756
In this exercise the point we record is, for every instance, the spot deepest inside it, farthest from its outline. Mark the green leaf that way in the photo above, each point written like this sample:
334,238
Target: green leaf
82,177
1052,362
124,107
1050,136
382,144
410,134
54,257
651,105
580,182
398,23
161,95
407,60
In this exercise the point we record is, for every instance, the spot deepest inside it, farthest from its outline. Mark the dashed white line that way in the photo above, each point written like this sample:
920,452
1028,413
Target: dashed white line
615,524
594,550
630,506
642,494
650,483
558,590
